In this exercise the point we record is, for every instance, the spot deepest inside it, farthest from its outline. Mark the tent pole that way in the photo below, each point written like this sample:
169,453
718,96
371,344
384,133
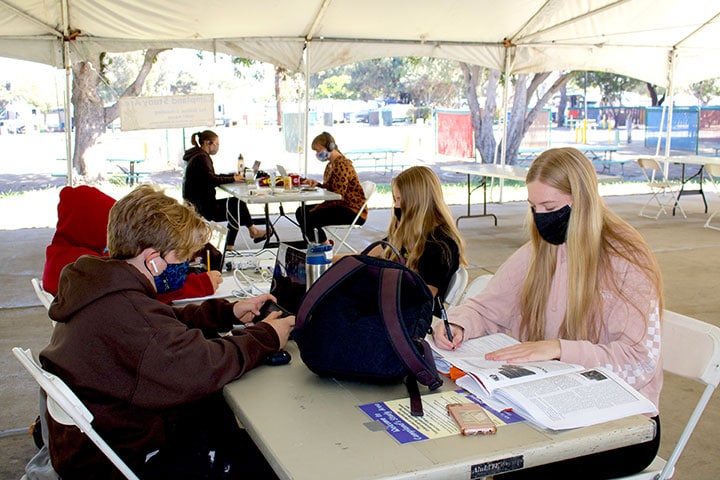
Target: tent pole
506,101
306,123
661,129
68,84
670,111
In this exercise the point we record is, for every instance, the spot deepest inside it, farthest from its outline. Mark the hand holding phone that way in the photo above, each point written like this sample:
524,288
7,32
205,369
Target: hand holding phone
267,308
471,418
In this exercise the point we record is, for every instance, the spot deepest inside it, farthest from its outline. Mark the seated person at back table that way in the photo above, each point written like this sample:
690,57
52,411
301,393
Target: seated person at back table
423,230
339,177
586,289
82,230
145,370
199,184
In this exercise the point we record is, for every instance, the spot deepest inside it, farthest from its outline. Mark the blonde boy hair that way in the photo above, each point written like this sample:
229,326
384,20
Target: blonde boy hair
148,218
595,236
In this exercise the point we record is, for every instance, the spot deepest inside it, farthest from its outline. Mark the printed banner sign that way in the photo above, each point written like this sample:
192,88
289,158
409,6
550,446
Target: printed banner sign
140,113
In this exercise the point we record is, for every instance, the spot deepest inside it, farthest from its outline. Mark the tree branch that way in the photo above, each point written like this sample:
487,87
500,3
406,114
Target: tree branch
557,85
112,112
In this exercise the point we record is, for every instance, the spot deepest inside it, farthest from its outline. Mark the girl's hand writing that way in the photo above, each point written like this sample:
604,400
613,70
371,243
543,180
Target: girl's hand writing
440,336
215,278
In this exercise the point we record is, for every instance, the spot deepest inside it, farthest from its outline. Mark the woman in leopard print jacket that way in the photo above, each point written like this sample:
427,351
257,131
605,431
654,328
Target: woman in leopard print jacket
339,177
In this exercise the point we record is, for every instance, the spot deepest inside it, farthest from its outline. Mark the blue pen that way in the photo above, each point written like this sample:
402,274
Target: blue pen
443,313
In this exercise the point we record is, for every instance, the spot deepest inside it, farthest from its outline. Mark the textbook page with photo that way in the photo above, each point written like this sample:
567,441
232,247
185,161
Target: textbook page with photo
552,394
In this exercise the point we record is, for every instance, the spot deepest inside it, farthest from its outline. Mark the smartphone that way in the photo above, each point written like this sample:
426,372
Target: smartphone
471,418
268,307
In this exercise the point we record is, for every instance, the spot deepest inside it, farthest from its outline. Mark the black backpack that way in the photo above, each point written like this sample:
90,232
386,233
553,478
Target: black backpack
365,319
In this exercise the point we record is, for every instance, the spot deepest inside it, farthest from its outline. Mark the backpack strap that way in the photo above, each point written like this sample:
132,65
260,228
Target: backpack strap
385,243
418,367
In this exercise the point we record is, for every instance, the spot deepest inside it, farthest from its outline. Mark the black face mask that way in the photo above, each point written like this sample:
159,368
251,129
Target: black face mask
552,226
397,212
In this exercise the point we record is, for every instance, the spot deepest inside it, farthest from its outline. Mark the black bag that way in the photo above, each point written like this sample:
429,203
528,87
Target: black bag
365,319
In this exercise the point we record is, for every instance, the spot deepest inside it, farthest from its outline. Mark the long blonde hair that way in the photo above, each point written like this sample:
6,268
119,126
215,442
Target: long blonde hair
595,235
423,211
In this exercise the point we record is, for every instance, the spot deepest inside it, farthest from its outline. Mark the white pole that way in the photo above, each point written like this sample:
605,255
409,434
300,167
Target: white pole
670,112
660,130
68,84
306,124
506,101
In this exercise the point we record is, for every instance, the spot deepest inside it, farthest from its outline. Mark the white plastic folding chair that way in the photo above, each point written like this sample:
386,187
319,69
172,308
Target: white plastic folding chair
43,295
713,173
664,192
456,287
691,349
476,286
341,232
66,408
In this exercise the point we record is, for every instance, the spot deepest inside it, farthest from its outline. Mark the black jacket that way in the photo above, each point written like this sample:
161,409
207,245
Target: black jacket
200,180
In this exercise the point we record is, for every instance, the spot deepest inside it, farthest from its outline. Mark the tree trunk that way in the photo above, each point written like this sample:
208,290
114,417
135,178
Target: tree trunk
90,115
482,120
561,107
471,74
520,117
516,122
488,145
279,74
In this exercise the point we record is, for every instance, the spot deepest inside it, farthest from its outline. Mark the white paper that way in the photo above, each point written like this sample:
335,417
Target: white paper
551,394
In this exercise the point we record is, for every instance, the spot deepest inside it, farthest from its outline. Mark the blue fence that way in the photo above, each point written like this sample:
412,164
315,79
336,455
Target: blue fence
685,128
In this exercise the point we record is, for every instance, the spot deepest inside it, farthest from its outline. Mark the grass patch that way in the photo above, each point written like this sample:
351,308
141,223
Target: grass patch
9,194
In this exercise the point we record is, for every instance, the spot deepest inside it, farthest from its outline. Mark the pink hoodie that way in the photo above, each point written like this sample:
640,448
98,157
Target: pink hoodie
629,341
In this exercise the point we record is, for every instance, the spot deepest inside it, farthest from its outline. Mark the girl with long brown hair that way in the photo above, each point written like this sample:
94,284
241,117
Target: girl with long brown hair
423,230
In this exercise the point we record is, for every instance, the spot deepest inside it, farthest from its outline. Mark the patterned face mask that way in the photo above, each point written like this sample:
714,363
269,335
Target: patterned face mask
172,278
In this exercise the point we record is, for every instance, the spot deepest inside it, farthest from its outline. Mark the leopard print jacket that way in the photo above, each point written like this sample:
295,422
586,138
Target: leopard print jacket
340,177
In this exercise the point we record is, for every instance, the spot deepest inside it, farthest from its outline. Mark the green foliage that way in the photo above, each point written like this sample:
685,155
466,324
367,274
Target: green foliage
335,87
6,97
184,84
117,71
420,112
704,91
420,81
611,86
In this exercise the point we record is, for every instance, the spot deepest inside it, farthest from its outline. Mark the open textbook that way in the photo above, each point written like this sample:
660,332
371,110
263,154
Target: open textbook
551,394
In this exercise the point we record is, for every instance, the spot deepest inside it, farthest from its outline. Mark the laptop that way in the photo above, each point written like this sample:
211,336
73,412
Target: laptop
256,168
281,171
288,283
218,239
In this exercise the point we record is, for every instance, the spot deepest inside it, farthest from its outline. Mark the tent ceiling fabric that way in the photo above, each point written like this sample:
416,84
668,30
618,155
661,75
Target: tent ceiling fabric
629,37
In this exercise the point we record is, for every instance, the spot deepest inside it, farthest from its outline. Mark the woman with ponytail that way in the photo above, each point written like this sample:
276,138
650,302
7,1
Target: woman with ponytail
199,184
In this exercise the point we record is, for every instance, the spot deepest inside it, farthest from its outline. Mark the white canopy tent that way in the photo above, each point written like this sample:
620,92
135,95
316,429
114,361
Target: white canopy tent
665,42
629,37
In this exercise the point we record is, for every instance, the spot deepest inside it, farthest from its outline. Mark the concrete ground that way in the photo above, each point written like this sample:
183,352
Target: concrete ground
688,253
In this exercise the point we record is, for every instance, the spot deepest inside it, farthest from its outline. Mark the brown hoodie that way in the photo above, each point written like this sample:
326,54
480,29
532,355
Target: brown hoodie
135,362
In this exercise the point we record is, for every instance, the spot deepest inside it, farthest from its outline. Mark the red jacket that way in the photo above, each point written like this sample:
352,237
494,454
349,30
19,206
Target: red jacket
82,230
